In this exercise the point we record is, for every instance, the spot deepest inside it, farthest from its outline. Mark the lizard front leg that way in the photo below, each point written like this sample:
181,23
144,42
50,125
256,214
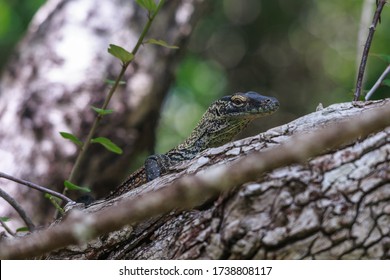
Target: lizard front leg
156,165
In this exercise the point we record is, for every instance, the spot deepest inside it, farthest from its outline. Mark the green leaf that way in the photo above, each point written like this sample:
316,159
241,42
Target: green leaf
108,144
102,111
160,43
149,5
112,82
52,198
386,82
120,53
22,229
72,138
4,219
70,186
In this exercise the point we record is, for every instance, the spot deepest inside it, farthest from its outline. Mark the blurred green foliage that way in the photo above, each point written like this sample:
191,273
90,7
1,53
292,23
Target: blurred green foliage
15,16
198,83
303,52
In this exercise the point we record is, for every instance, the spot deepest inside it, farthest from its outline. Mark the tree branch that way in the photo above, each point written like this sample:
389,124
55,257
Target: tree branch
193,190
18,209
365,19
35,186
359,82
378,83
7,229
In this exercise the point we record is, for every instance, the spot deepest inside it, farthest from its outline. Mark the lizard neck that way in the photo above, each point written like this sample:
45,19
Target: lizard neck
211,131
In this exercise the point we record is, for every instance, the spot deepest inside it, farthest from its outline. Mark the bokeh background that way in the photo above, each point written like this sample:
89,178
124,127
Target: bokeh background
302,52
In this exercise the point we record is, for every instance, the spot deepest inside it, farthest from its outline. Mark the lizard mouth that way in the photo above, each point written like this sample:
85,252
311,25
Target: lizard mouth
259,105
268,106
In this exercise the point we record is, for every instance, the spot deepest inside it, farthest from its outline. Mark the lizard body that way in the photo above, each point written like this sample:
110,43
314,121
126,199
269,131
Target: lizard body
222,121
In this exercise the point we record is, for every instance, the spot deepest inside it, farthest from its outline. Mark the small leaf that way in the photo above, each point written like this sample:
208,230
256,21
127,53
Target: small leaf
72,138
108,144
112,82
4,219
70,186
386,82
22,229
120,53
52,198
102,111
149,5
160,43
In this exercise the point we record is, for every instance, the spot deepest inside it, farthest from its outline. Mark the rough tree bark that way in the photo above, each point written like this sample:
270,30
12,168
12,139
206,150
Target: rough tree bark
58,71
333,206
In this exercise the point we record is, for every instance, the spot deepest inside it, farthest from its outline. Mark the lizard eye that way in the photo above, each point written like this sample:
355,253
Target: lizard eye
238,100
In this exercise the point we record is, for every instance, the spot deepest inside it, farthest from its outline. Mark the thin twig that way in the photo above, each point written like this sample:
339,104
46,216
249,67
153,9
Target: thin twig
365,20
359,82
192,190
378,82
35,186
18,209
87,142
7,229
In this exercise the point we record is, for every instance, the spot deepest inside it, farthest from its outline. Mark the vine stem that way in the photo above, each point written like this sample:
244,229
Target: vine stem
87,142
362,67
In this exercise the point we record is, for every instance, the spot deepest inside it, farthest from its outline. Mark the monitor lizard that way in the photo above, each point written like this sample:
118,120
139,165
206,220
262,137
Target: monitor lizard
222,121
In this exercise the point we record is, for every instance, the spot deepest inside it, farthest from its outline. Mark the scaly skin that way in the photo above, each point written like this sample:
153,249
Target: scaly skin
222,121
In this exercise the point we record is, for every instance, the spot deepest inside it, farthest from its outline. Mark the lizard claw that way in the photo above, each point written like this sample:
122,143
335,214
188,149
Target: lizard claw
156,166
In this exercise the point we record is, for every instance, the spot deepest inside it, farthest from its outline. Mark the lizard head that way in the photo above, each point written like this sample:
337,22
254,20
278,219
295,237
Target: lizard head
229,115
223,120
247,105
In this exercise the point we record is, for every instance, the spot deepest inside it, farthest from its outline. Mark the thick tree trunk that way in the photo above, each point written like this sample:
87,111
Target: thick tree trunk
333,206
59,70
